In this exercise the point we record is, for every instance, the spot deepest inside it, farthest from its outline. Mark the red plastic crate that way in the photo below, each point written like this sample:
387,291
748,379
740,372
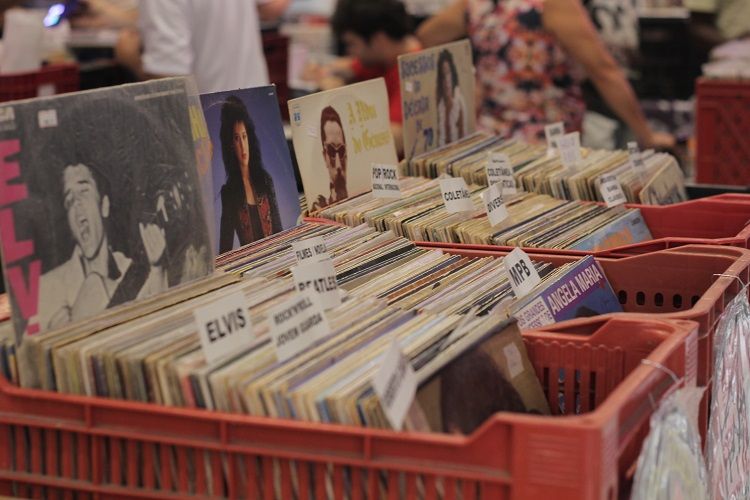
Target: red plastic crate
53,444
49,80
722,124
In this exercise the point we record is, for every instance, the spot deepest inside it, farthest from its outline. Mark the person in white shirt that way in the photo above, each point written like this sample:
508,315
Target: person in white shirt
218,42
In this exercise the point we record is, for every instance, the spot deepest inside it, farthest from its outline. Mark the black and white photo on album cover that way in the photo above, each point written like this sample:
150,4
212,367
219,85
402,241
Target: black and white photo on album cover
101,202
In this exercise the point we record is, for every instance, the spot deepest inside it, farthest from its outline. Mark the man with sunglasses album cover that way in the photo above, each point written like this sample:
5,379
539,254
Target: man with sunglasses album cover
338,135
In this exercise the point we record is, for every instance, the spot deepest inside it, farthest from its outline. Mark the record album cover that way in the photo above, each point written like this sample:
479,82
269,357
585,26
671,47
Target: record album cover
255,194
338,135
437,90
100,201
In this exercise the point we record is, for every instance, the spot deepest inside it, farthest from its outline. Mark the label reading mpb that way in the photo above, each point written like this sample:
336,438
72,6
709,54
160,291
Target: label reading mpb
395,383
385,183
611,191
493,204
456,195
570,149
500,171
296,325
310,248
318,277
224,326
521,273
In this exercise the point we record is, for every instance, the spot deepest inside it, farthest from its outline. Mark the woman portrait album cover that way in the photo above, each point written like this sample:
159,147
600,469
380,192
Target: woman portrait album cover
255,192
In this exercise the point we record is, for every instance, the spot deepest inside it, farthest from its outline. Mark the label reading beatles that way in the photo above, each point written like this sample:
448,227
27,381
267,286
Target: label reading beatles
318,277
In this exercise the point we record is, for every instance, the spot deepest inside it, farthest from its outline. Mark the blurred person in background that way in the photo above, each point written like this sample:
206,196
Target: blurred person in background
713,22
528,57
95,14
218,42
375,33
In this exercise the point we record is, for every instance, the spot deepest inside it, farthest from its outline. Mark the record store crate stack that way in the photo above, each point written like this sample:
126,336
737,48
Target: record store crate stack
54,444
722,122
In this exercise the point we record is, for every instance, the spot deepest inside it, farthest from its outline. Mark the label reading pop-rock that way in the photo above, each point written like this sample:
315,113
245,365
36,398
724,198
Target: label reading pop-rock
224,326
611,191
296,325
493,204
385,182
570,149
395,383
456,195
318,277
521,272
310,248
500,171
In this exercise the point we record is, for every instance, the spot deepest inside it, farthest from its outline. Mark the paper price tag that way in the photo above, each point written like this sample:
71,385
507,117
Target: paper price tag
456,195
385,183
224,326
493,204
318,277
297,324
395,383
310,248
636,160
611,190
521,272
500,171
47,118
552,132
570,149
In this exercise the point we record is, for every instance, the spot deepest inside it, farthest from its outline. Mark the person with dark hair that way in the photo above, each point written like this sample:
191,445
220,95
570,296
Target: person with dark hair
248,199
333,140
451,108
375,33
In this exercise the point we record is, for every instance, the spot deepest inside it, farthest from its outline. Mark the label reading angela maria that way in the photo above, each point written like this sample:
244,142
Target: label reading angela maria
500,171
494,205
385,183
296,325
310,248
224,326
522,274
456,195
318,277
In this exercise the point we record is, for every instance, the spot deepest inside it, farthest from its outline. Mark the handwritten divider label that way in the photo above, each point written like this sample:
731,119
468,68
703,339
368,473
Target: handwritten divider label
297,324
395,384
318,277
522,274
552,132
493,204
310,248
456,195
570,149
611,190
500,171
636,161
224,326
385,182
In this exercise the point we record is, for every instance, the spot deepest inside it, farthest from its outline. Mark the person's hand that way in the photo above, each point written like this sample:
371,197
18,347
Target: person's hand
660,141
154,240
